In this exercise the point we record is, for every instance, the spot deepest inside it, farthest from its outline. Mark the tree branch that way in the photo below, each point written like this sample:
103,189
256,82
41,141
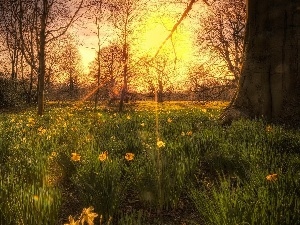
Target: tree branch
185,13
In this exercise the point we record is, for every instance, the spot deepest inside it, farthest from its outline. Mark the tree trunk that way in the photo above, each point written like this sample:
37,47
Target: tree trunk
269,86
125,74
42,59
160,89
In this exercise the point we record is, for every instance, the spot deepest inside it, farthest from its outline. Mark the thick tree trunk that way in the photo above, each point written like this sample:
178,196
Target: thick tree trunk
269,86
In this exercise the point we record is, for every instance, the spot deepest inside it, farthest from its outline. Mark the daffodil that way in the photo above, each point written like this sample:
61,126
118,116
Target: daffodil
269,128
72,221
103,156
41,130
160,144
189,133
272,177
75,157
30,120
36,198
129,156
88,216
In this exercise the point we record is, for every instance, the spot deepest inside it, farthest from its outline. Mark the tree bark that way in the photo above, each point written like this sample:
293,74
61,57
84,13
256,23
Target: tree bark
125,76
42,59
160,89
269,85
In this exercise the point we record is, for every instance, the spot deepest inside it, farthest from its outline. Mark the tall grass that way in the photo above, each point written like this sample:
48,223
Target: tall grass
222,170
252,198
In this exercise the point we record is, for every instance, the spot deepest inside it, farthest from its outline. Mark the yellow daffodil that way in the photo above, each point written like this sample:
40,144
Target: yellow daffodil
30,120
189,133
75,157
72,221
103,156
129,156
52,156
35,198
160,144
269,128
41,130
88,216
272,177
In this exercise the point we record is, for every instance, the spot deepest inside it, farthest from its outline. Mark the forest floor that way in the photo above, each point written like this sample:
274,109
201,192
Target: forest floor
153,164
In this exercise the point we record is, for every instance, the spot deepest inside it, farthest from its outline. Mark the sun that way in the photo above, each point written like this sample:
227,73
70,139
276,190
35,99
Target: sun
87,56
155,31
176,54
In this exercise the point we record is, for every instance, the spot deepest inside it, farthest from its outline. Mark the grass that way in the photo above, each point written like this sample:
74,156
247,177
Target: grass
176,165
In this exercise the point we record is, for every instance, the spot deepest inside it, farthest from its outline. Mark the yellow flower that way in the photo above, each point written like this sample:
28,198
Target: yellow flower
72,221
30,120
189,133
129,156
88,216
128,117
272,177
182,133
269,128
103,156
52,156
75,157
142,124
41,130
160,144
169,120
35,198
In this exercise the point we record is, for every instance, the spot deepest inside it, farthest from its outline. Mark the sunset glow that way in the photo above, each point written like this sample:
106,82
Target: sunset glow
156,31
145,38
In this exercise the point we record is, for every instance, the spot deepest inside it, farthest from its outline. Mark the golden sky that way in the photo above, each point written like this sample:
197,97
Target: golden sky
149,32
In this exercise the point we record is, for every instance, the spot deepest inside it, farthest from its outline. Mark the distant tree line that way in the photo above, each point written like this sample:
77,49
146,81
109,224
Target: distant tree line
41,60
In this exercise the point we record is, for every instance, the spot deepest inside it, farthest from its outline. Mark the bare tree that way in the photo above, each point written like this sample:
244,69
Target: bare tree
37,23
10,35
111,71
124,14
223,34
70,63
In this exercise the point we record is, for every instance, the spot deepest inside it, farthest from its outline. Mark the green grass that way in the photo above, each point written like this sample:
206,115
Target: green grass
204,173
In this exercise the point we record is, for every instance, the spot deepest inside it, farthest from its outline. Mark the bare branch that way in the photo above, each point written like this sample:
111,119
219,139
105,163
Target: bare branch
64,29
185,13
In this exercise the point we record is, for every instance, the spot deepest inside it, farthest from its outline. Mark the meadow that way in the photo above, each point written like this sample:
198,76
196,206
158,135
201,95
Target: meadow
169,163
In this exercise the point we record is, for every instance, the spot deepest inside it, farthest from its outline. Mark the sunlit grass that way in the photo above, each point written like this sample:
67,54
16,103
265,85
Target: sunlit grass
178,105
230,175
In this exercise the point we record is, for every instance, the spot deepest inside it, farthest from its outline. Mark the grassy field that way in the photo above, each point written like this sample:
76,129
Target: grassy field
153,164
